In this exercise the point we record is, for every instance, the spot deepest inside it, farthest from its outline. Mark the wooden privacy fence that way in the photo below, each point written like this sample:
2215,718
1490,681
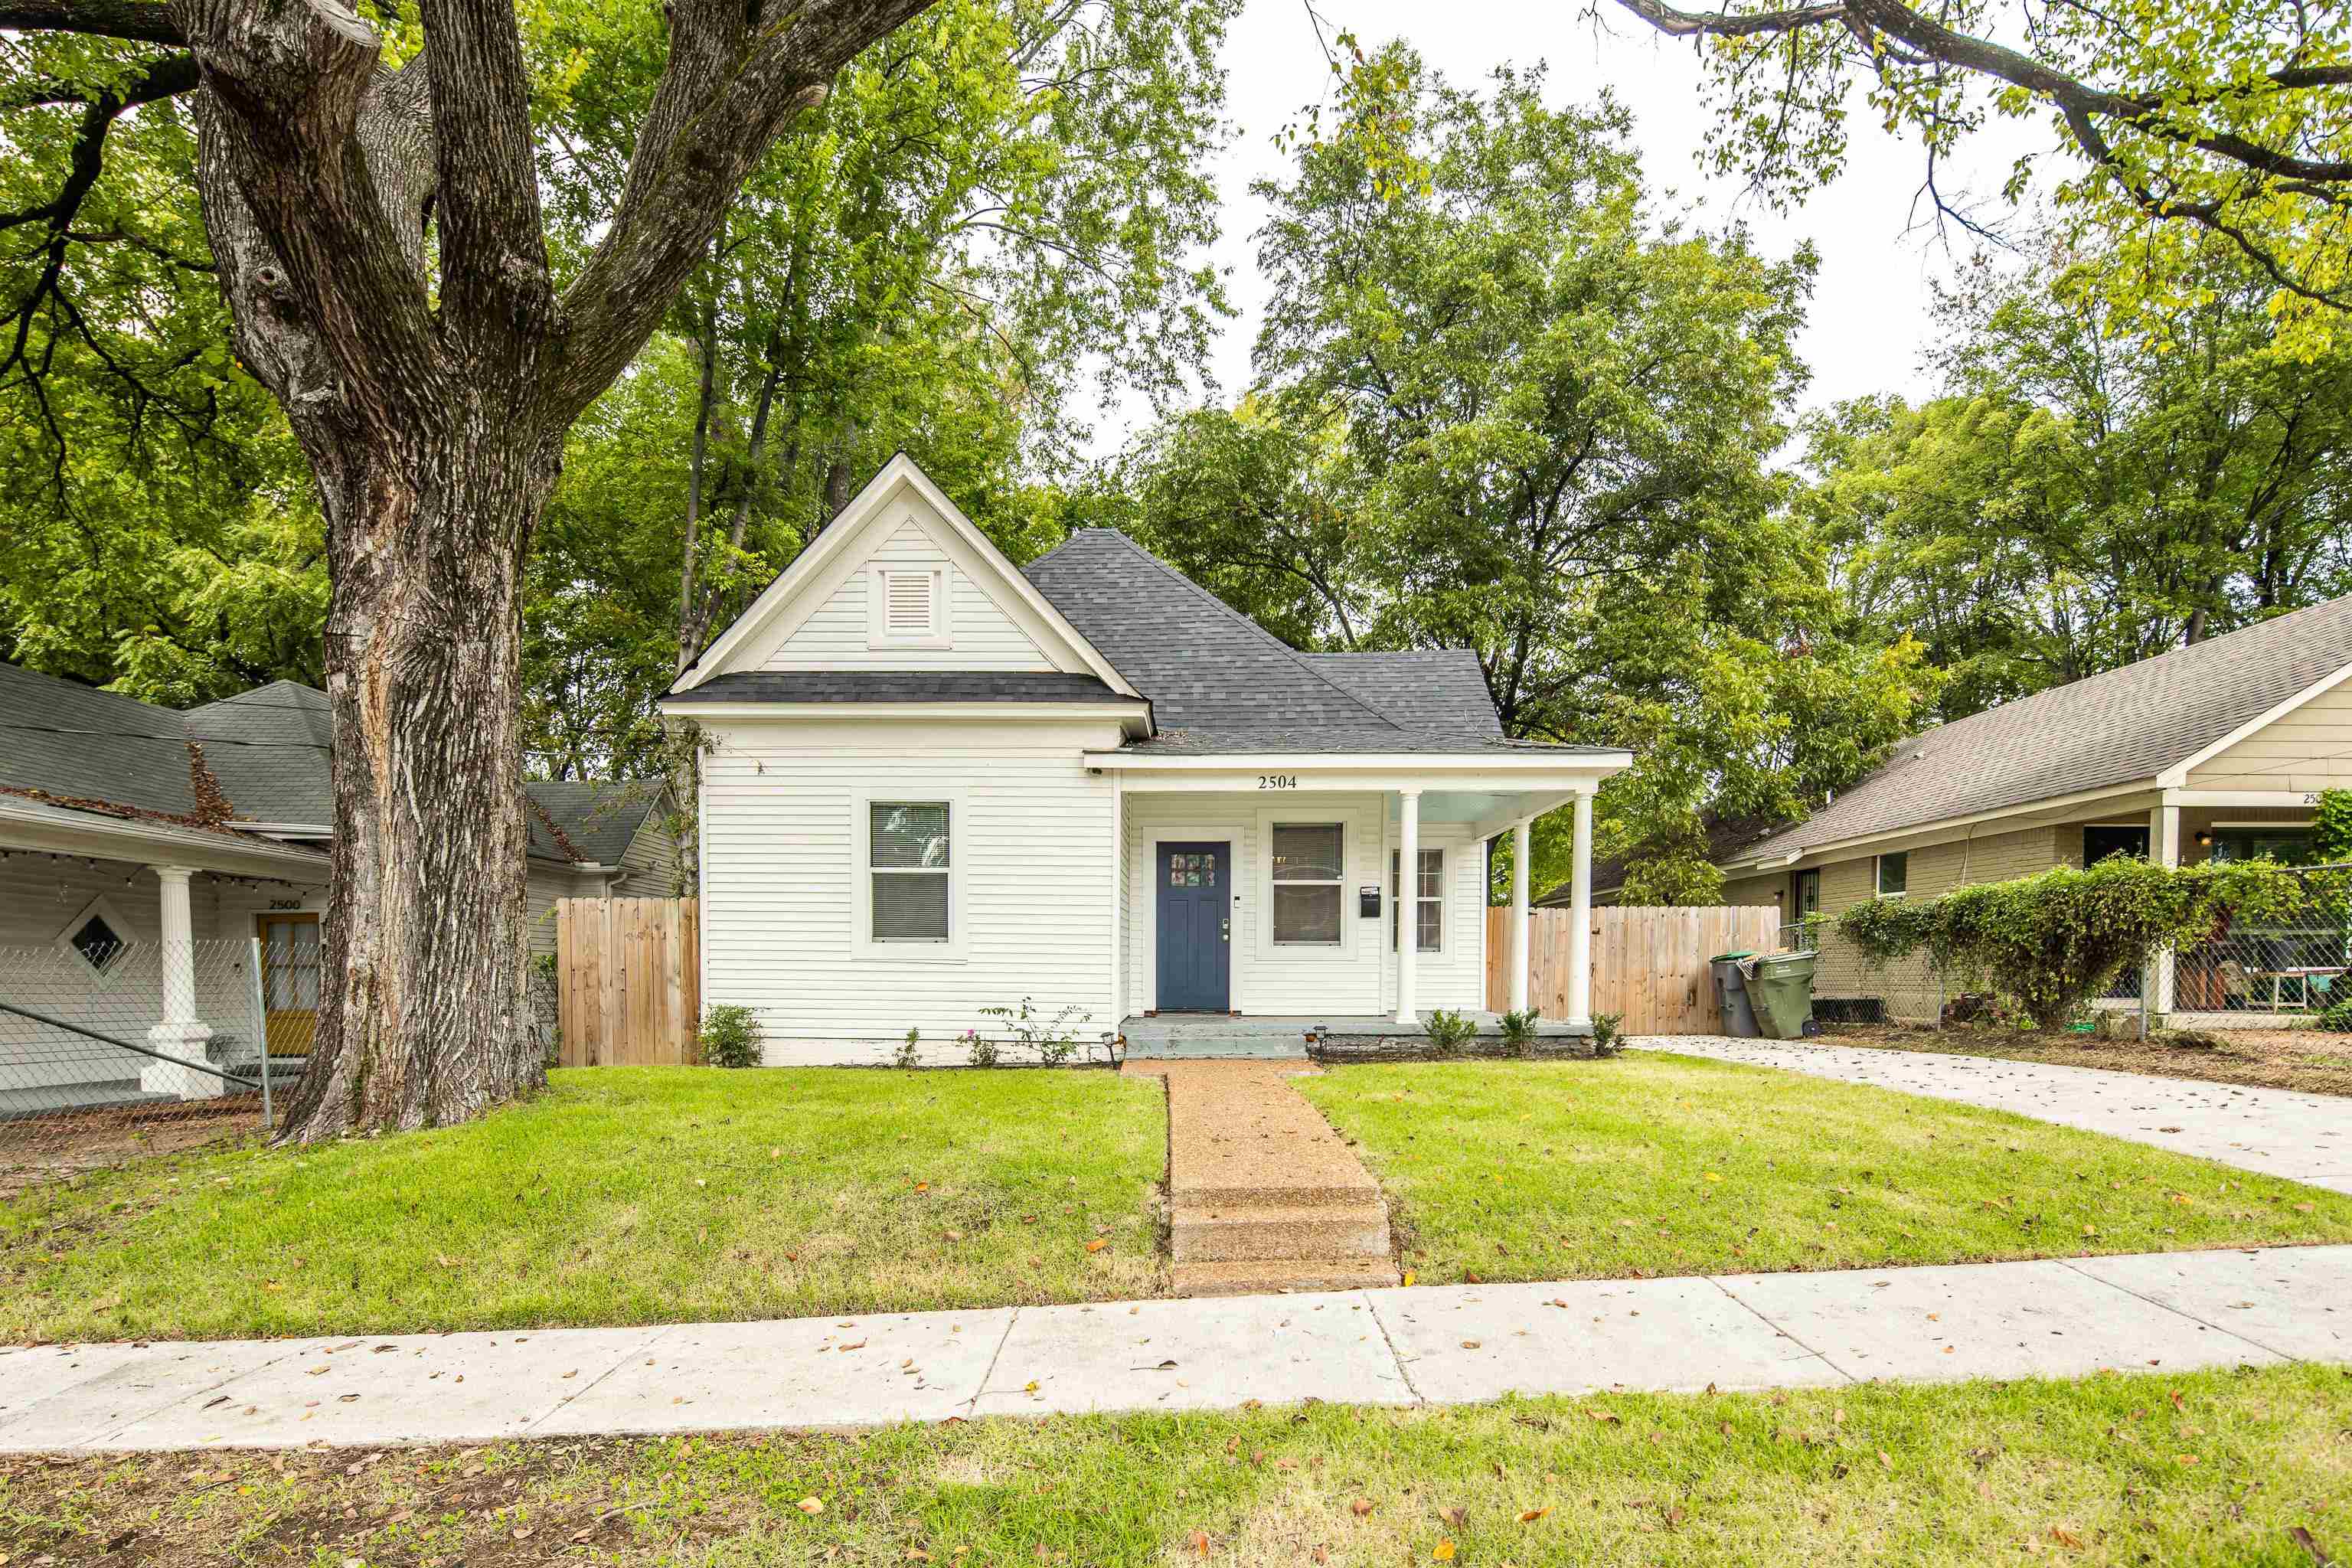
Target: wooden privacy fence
628,981
1649,965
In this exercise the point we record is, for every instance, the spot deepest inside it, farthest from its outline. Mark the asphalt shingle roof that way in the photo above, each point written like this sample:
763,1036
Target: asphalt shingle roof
2117,727
1219,683
267,748
900,686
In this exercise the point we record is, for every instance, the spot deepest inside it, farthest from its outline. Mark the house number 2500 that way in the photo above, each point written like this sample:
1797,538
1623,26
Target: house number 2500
1277,781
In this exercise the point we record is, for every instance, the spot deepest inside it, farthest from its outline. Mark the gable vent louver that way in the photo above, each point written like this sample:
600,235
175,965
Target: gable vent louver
907,604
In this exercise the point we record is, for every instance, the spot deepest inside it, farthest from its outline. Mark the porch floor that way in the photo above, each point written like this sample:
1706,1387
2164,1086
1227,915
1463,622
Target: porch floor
1262,1037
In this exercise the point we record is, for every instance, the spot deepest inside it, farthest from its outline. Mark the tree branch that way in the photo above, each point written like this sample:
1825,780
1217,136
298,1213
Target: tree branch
493,237
727,91
142,21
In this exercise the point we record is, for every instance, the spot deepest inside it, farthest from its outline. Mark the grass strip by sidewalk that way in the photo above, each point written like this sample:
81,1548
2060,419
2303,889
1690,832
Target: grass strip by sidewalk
622,1195
2213,1467
1650,1164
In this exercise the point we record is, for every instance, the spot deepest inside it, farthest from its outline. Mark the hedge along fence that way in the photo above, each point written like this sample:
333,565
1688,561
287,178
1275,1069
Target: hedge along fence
2055,940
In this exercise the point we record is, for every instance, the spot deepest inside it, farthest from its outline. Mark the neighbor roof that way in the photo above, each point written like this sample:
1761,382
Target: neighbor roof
1219,683
2123,727
76,746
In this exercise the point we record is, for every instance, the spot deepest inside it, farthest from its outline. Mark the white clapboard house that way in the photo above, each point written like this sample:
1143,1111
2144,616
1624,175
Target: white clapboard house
937,782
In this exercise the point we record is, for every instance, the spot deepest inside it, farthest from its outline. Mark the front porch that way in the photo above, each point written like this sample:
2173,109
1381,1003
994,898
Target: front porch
1265,895
1174,1036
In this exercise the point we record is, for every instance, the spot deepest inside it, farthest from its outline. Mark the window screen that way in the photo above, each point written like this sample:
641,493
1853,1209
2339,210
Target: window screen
1306,865
909,863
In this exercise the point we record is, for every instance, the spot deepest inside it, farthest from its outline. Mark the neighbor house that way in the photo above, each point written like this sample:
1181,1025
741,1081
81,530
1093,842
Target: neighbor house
129,831
937,783
2217,749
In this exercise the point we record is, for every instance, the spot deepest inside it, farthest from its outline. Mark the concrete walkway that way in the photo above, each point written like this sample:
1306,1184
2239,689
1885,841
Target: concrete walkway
2275,1132
1426,1345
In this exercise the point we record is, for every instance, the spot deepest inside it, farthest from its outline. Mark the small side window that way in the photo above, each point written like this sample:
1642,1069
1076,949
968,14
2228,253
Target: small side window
1894,874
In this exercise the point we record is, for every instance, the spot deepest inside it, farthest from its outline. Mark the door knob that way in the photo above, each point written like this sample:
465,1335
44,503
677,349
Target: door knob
1225,931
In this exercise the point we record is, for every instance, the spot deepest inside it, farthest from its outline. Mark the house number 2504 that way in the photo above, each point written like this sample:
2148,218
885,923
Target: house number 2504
1277,781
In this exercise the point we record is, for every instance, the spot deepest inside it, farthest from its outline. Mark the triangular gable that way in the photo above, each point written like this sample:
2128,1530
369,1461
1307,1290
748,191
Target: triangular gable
822,584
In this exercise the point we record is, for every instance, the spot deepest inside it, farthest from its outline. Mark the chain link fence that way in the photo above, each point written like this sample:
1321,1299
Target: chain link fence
110,1049
2247,972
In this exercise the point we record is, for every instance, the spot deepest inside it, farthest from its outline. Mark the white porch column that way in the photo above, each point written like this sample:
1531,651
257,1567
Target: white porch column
1408,908
180,1033
1519,836
1579,917
2164,849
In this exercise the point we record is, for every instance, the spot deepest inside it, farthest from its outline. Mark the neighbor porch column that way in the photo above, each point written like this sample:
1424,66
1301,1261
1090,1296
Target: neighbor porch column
2164,849
1405,896
180,1033
1519,836
1580,919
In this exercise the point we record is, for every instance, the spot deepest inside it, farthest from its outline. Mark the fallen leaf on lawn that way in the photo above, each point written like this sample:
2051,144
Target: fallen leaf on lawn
1096,1244
1533,1514
811,1506
1608,1415
1408,1275
1712,1176
1469,1344
1200,1541
1030,1386
952,1235
2185,1459
1457,1515
2065,1537
917,1554
1445,1553
1360,1506
1885,1458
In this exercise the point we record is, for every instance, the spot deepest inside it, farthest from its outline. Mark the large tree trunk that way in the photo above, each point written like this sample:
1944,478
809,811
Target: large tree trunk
428,1022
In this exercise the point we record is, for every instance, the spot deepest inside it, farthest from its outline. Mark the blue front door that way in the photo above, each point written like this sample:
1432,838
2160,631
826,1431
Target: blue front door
1195,922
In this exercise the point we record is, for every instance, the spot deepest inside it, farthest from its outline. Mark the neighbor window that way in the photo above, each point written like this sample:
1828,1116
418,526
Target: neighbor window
1306,884
1894,874
909,863
1428,900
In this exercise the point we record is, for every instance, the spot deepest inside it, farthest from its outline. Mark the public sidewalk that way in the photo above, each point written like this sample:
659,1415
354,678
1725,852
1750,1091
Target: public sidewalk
2276,1131
1434,1345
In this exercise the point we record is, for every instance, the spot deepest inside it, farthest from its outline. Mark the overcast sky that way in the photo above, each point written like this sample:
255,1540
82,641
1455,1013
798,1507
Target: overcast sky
1868,322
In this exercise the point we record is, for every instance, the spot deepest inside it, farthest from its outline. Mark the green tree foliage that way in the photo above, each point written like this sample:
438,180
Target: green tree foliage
2090,491
156,530
999,201
2228,120
1510,408
2054,941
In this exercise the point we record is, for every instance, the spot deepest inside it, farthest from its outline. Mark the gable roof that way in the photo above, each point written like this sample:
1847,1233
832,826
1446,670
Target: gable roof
832,552
2123,727
1221,683
900,686
268,749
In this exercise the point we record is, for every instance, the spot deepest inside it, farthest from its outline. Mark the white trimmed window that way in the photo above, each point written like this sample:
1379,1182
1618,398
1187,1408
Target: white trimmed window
1428,900
1894,874
1306,861
908,607
910,872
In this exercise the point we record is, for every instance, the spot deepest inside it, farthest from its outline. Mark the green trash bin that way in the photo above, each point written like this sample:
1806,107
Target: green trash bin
1780,986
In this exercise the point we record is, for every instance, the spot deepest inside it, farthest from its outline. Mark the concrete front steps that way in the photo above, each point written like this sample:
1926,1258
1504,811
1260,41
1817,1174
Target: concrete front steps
1265,1195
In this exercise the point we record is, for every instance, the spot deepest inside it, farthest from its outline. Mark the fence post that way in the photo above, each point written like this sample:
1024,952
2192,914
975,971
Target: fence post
261,1034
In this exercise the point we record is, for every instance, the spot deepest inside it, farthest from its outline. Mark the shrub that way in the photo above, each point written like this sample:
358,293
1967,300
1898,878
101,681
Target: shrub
1053,1043
1447,1031
909,1054
982,1049
1607,1034
2055,940
1520,1031
2337,1017
730,1036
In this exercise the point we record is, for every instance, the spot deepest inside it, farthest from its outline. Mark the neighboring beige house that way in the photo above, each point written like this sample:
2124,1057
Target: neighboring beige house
2220,749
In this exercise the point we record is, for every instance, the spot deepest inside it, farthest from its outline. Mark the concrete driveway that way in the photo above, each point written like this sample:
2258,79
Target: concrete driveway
2275,1132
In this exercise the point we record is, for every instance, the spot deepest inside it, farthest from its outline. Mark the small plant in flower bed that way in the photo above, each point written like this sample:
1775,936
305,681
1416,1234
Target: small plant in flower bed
1052,1043
1519,1032
909,1054
1448,1031
1607,1034
2054,940
731,1036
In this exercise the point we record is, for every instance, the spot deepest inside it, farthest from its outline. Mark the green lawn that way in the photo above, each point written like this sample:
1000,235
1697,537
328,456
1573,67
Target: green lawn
2216,1468
622,1195
1654,1164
